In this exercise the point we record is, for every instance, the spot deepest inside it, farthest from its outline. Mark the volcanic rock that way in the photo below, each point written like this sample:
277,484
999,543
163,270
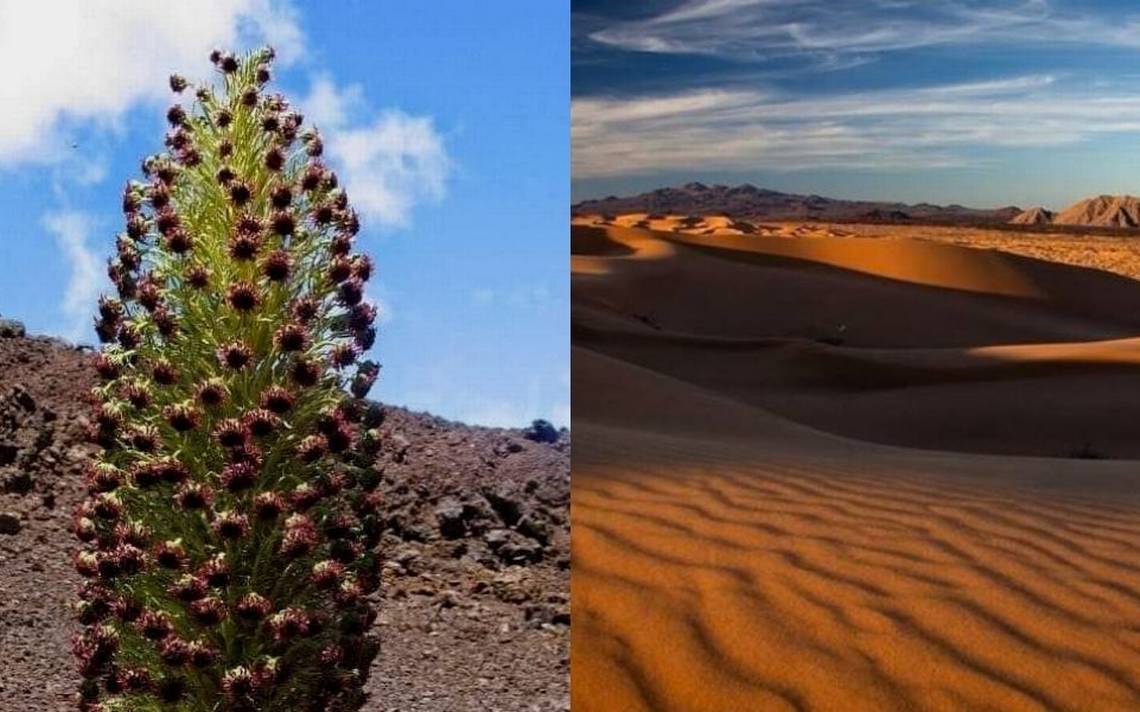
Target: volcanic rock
439,600
9,523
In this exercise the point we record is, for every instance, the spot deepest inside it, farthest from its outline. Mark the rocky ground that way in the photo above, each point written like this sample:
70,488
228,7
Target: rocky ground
474,611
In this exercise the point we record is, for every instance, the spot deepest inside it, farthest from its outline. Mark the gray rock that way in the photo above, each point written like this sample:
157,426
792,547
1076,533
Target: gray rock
398,447
539,614
520,550
507,447
9,523
507,503
496,538
478,515
512,547
22,398
8,453
531,526
406,525
409,559
17,482
449,516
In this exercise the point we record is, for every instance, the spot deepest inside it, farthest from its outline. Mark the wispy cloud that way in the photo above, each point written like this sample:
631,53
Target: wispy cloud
105,57
826,32
72,229
329,105
390,163
537,296
925,127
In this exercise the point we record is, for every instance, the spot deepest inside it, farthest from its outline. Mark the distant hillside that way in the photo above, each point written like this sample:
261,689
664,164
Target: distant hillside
1034,216
1102,211
747,202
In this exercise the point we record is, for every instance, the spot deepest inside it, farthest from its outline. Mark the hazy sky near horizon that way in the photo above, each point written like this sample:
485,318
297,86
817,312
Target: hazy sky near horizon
446,122
1021,102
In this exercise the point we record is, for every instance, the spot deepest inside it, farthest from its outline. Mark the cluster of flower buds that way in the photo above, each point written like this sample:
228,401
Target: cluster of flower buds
229,536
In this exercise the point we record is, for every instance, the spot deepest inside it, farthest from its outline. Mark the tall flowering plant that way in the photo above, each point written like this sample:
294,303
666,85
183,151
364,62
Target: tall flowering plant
229,534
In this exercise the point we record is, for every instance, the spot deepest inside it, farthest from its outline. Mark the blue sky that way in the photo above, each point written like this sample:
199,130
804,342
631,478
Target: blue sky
447,122
1021,102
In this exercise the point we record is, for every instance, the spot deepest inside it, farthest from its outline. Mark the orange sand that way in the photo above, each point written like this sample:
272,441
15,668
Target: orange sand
727,558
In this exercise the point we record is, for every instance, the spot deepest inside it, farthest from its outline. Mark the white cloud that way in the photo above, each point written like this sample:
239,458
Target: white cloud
92,172
389,164
898,128
392,164
329,106
71,230
274,22
820,31
63,62
537,296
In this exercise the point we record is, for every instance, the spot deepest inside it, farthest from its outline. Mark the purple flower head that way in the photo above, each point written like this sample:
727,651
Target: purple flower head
235,355
230,525
277,266
277,400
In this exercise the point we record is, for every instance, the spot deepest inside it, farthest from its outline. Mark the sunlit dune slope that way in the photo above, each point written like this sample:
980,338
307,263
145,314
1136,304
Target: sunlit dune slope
1114,250
836,270
891,340
1039,399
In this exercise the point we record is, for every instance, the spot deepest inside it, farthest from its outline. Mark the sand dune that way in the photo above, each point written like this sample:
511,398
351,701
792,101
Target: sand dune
703,225
888,292
728,558
903,342
1118,252
595,250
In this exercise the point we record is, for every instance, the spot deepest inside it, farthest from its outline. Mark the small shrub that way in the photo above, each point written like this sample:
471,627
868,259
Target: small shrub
229,534
541,431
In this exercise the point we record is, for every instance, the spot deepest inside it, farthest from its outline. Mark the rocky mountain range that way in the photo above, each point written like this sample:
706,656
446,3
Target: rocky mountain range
1117,211
748,202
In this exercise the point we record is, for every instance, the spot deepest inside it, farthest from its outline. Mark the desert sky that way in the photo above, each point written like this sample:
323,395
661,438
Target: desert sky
978,102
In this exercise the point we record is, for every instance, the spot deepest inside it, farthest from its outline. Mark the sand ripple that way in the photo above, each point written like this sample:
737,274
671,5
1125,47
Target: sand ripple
765,585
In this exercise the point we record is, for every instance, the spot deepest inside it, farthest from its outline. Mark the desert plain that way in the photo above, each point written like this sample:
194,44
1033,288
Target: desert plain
843,467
